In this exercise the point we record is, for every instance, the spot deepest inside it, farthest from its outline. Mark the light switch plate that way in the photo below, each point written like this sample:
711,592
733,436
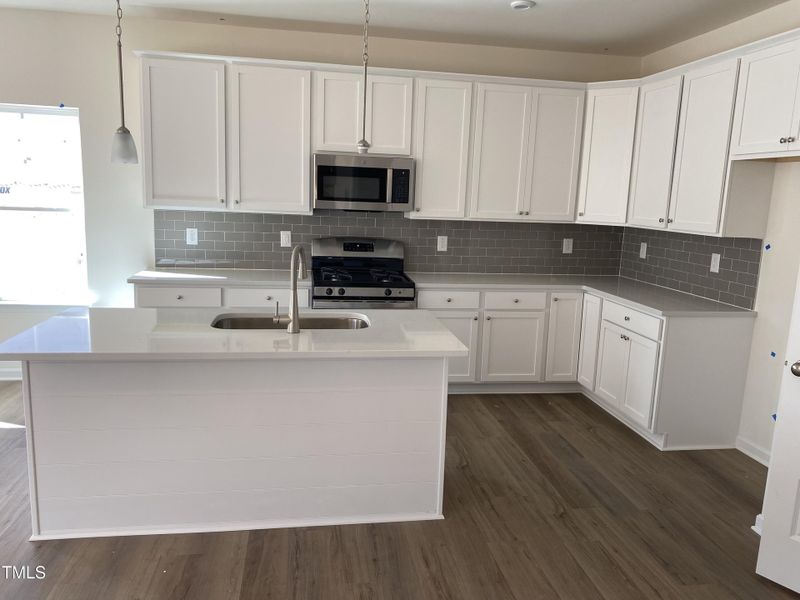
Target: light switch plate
566,246
286,239
191,236
441,243
715,263
643,250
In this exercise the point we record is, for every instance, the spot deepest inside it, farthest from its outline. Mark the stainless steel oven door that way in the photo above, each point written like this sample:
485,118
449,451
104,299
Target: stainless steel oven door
358,182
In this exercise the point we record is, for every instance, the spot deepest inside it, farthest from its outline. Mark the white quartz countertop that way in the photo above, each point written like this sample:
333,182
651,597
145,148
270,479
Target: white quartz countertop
642,296
181,334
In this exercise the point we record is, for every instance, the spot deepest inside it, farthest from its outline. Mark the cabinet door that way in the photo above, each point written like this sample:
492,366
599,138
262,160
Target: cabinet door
654,152
640,386
183,133
463,325
441,144
500,150
269,118
701,156
612,364
766,101
563,336
512,346
590,336
555,145
389,101
338,102
606,156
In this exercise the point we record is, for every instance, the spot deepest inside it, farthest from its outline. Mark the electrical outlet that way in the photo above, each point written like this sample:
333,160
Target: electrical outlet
191,236
566,246
643,250
715,263
441,243
286,239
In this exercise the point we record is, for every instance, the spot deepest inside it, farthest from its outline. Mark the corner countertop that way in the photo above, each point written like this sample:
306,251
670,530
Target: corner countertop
651,299
186,334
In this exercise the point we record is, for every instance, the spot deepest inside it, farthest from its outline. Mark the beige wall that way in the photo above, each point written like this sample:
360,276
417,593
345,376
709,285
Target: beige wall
49,58
772,21
776,288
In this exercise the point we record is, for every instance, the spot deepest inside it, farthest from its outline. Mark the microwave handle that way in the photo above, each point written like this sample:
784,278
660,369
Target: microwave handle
389,172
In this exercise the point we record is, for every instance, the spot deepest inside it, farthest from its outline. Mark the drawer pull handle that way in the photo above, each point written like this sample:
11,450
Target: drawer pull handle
627,318
516,300
449,300
179,297
269,298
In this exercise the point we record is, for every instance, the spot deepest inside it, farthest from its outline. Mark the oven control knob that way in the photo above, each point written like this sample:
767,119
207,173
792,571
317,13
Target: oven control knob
387,292
340,291
329,292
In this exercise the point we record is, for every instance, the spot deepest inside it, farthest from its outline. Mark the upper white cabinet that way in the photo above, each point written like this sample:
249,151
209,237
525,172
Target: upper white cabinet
606,157
555,147
654,150
768,102
442,114
269,139
183,133
563,336
526,152
500,150
339,105
701,155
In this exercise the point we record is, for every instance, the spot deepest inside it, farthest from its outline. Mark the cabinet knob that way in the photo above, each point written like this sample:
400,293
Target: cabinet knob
488,318
580,214
790,140
670,220
522,213
269,298
795,369
179,297
555,299
624,337
516,300
527,212
627,318
661,220
418,209
475,318
236,201
222,200
784,140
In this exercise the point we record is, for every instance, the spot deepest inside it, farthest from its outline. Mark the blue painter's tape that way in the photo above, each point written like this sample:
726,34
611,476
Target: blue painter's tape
772,354
768,246
61,105
775,417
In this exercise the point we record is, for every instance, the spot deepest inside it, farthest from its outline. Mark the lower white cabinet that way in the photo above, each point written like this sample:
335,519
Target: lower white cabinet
512,346
590,336
463,325
627,368
563,336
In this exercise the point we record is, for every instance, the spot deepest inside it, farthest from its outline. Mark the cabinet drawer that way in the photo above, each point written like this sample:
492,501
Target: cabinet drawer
646,325
155,297
434,299
267,297
515,300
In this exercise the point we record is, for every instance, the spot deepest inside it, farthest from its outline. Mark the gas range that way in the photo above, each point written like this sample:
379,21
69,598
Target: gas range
360,273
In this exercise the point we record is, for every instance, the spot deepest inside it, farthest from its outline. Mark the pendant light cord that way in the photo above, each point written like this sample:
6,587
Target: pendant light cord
365,59
119,63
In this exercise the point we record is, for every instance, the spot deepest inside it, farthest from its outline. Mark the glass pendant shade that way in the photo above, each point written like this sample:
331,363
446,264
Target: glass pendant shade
123,148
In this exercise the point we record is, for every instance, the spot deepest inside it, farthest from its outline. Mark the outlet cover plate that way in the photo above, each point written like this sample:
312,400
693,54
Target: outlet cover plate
286,239
714,263
191,236
441,243
643,250
566,246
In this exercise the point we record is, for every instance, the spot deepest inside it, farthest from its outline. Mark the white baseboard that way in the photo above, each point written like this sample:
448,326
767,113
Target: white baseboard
752,450
10,371
758,527
513,388
236,526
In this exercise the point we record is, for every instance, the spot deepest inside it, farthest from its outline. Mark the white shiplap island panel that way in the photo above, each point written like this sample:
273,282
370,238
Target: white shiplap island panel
129,437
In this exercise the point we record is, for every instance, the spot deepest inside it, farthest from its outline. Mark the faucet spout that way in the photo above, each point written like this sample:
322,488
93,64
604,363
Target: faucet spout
297,268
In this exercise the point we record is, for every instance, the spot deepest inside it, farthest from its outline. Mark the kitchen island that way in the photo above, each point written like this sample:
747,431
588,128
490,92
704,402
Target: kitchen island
145,421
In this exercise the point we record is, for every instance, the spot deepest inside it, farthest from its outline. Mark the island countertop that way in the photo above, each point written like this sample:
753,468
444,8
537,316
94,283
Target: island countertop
652,299
186,334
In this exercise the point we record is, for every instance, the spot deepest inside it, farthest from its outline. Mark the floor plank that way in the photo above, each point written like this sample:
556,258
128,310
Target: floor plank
546,497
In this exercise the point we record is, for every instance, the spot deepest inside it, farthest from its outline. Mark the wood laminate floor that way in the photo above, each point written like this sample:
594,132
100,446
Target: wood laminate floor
546,497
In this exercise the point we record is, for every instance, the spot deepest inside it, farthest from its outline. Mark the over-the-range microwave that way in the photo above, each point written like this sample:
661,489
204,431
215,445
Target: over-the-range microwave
363,182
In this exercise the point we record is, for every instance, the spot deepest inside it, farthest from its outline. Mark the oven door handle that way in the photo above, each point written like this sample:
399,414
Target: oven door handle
389,172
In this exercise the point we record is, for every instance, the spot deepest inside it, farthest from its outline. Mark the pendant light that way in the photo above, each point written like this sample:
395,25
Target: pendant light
123,148
363,144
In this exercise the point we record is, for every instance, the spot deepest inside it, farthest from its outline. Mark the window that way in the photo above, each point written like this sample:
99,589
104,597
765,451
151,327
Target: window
42,231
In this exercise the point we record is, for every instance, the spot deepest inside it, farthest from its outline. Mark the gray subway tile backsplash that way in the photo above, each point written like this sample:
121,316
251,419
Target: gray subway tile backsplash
677,261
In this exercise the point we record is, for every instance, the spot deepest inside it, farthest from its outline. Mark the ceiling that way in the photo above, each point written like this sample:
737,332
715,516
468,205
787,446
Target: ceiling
626,27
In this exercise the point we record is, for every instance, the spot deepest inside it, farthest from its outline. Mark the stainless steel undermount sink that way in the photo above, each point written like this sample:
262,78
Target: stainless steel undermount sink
261,321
